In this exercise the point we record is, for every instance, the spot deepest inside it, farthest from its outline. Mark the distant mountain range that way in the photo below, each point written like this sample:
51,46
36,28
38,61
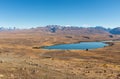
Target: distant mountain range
7,29
79,30
71,29
115,30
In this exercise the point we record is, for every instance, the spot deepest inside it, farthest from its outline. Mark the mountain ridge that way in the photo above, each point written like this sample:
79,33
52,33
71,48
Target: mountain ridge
72,29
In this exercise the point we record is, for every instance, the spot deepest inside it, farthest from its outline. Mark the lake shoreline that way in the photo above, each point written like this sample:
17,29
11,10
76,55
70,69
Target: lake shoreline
81,48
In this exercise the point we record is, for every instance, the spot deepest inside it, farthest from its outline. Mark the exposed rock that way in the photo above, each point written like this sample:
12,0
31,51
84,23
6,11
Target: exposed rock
1,61
1,75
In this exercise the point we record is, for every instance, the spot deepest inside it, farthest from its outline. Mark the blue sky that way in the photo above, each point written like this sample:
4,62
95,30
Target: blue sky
34,13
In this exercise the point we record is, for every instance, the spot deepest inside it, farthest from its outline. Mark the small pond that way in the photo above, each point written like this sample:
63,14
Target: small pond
78,46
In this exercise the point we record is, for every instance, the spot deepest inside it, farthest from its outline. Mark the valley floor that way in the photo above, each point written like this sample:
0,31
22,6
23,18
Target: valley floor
19,59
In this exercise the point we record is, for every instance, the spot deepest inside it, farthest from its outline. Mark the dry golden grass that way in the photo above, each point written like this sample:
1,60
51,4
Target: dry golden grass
18,59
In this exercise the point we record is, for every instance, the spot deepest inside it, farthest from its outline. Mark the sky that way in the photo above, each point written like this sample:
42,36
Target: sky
34,13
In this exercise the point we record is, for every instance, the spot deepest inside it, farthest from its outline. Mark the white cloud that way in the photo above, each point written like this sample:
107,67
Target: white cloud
86,25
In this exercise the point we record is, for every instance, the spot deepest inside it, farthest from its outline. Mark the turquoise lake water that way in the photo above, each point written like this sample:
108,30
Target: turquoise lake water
78,46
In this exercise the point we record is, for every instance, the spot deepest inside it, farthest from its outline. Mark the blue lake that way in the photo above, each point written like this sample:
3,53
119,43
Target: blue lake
78,46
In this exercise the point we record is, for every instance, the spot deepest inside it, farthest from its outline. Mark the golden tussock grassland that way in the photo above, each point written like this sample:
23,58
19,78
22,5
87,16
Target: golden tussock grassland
20,60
